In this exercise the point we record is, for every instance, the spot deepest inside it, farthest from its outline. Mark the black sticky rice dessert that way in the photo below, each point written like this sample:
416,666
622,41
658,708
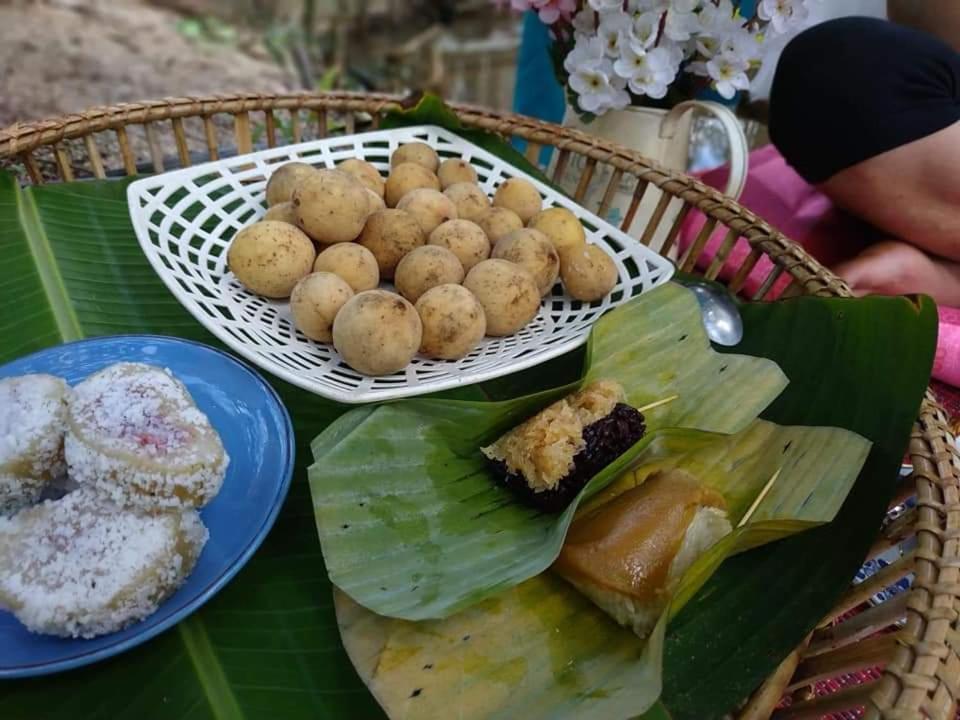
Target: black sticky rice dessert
548,459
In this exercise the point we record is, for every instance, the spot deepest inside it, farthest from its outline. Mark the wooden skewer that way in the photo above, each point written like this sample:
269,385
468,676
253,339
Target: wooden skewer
756,503
658,403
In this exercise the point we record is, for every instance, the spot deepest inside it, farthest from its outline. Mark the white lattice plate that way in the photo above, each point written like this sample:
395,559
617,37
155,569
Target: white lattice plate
185,220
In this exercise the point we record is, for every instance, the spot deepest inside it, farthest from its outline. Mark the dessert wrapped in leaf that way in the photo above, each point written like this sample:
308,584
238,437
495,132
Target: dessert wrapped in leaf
549,458
629,554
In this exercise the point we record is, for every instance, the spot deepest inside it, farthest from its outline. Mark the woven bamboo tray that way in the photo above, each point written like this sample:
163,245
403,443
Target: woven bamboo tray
918,653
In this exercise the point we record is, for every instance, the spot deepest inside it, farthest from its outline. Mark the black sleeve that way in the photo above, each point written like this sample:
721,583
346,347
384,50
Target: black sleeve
849,89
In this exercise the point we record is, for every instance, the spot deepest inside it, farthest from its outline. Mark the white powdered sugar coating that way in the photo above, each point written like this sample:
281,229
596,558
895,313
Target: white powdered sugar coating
81,566
135,433
33,411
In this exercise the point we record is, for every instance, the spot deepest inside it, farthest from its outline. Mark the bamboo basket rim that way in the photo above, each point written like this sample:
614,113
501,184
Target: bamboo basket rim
22,138
921,677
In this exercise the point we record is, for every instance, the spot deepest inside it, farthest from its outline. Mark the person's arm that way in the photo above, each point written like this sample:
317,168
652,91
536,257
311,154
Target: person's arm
937,17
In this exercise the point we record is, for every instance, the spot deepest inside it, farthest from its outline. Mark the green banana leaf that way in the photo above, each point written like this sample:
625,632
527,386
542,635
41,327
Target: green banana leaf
739,466
539,649
858,364
655,347
766,470
268,645
410,522
484,660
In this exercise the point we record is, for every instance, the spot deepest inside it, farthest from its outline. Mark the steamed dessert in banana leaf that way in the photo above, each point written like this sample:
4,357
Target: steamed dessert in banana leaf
33,410
135,434
81,566
629,554
548,459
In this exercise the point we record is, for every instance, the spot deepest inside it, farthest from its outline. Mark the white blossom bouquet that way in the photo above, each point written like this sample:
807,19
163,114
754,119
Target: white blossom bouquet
613,53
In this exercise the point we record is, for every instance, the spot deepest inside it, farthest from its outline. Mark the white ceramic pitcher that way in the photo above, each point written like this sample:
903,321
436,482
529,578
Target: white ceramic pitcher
663,136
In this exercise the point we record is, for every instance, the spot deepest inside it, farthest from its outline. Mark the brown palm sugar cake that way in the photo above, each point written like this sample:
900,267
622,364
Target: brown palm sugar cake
81,566
629,554
135,434
33,411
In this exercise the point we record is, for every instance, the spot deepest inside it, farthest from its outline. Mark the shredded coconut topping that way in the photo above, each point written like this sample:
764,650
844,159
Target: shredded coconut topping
81,566
141,456
140,409
19,492
33,411
135,433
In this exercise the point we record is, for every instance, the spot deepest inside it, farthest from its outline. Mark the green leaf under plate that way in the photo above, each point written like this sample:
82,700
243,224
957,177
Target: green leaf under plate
410,521
268,643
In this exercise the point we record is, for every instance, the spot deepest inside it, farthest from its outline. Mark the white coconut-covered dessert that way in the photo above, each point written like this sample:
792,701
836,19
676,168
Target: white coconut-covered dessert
135,434
81,566
33,412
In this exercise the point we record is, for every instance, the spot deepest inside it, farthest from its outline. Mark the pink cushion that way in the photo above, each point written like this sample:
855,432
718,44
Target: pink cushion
781,197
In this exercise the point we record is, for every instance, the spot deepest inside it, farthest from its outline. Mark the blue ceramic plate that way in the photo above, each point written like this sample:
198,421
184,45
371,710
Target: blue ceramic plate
256,432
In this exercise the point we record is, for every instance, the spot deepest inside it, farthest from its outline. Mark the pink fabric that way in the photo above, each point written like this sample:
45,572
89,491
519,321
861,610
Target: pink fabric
777,194
946,363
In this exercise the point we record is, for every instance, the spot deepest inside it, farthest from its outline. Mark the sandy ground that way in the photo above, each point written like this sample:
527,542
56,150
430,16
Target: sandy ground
61,56
64,56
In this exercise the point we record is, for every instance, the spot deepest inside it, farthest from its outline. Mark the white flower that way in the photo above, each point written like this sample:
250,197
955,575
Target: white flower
746,45
604,6
585,22
614,27
592,88
632,59
595,91
619,99
592,77
718,20
642,45
708,45
646,26
729,73
680,26
586,53
638,7
653,72
678,52
784,15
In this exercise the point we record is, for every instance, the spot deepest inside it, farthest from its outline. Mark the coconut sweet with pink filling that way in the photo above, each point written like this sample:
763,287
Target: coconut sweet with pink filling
33,411
135,434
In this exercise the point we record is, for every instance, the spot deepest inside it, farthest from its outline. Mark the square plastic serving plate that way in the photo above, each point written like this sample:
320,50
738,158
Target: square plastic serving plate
185,220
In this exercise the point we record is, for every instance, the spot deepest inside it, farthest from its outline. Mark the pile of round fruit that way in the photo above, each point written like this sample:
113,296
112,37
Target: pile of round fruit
463,267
